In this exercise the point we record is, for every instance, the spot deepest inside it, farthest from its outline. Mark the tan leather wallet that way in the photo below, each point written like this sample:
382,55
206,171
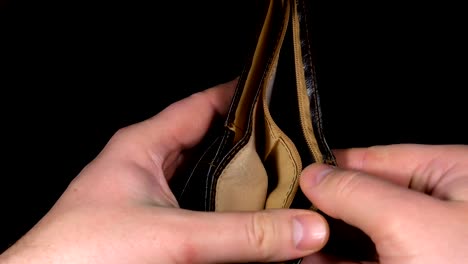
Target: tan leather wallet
272,131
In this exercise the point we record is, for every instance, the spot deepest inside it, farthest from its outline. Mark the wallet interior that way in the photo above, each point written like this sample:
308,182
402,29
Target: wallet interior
272,131
278,139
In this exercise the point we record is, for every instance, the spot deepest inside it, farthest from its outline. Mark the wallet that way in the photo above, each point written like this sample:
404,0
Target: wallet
253,158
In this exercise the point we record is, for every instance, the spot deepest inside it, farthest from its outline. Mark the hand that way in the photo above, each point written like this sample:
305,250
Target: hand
119,209
412,200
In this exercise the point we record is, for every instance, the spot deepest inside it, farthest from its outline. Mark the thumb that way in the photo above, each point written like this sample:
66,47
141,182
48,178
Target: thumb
263,236
371,204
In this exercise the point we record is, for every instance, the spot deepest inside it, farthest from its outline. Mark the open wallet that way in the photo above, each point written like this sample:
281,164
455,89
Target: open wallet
273,129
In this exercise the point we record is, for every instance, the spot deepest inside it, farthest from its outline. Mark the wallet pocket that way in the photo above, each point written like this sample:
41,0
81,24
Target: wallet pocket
262,173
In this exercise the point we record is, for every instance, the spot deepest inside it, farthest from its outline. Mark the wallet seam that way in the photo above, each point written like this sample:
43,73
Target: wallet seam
316,113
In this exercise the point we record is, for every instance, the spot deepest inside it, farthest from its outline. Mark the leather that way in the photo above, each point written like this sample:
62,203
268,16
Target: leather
273,128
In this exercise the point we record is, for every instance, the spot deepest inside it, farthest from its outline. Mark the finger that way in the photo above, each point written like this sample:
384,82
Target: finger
160,140
371,204
264,236
183,124
426,168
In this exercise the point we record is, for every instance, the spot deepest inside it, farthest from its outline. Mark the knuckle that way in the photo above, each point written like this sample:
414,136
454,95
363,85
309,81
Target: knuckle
391,229
347,184
393,223
260,233
122,141
123,137
120,134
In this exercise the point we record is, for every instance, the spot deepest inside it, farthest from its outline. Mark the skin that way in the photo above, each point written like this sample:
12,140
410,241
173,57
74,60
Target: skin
410,199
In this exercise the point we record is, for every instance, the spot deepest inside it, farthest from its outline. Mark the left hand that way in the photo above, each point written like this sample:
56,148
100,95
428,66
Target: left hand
119,209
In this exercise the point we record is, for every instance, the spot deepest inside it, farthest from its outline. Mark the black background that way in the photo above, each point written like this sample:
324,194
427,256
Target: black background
76,71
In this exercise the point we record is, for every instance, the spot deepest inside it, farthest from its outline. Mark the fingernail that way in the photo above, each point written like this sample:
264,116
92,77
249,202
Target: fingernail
324,171
309,232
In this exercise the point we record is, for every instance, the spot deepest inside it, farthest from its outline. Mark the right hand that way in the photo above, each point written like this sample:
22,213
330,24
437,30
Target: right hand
411,200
